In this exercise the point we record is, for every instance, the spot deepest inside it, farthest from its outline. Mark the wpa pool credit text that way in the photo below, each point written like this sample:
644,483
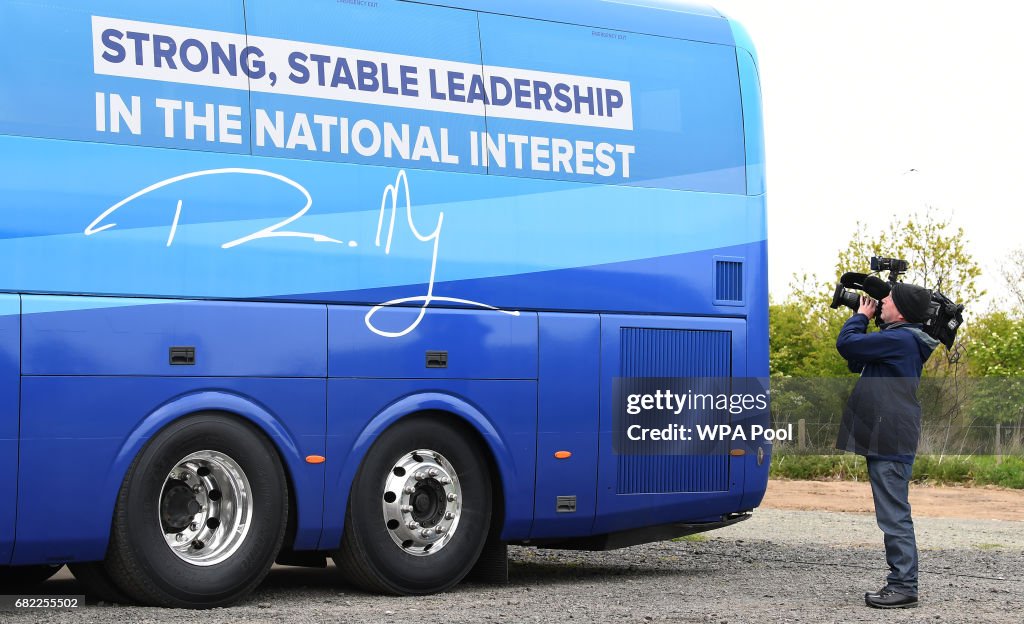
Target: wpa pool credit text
709,433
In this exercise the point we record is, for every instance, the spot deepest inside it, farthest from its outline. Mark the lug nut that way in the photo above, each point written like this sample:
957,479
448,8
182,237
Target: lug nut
432,472
440,530
409,489
449,516
179,538
197,489
452,497
445,480
407,508
418,476
426,533
413,525
193,526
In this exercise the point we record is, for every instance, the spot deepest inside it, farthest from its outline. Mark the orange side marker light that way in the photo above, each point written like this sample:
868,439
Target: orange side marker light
315,459
562,454
738,452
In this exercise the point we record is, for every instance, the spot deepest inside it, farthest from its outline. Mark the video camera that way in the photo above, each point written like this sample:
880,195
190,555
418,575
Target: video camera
944,316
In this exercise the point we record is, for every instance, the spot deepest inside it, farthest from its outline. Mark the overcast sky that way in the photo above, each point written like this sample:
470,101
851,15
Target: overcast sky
856,94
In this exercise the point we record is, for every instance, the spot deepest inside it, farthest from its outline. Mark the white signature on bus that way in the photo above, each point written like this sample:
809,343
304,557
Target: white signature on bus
395,197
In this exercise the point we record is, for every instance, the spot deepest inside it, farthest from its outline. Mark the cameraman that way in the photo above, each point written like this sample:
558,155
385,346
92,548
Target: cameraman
882,421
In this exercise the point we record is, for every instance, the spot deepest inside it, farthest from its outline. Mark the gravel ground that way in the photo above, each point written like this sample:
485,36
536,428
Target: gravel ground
780,566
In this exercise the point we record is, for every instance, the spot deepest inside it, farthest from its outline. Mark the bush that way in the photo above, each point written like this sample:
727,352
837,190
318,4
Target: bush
812,467
967,470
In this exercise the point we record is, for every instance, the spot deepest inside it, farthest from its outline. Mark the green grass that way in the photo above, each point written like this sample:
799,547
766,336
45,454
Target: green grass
951,469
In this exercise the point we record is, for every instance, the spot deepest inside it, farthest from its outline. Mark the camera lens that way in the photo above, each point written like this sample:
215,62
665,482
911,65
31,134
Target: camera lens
845,297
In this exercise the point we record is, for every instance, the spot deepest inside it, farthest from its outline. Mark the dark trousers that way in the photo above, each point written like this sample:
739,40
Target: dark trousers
890,487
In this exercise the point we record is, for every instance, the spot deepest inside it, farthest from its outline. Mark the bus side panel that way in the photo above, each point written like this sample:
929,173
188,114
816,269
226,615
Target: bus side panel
10,359
513,243
477,344
645,490
567,418
72,461
99,382
112,336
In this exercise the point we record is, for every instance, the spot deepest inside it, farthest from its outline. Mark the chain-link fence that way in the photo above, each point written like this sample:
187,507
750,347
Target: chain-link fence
959,416
818,438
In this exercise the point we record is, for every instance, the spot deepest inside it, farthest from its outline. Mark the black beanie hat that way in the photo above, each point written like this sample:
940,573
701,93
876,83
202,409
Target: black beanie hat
912,301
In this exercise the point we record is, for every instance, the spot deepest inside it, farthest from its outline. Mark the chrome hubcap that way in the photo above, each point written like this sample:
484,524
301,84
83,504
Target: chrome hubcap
422,502
205,508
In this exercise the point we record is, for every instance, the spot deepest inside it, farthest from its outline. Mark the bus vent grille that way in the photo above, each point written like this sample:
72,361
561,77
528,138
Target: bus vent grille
661,474
674,353
728,282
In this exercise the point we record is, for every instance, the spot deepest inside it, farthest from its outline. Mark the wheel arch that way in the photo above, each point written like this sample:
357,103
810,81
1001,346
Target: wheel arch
224,403
457,410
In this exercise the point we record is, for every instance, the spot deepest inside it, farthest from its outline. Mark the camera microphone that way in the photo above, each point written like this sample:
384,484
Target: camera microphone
875,287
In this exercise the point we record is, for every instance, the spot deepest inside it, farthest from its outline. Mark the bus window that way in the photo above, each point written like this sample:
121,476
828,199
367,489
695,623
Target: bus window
656,111
146,82
373,83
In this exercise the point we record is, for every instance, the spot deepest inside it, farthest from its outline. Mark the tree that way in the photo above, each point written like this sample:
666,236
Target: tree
802,345
938,258
804,328
936,252
995,347
1013,275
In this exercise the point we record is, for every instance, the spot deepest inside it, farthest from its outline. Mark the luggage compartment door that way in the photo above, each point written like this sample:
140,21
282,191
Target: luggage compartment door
647,490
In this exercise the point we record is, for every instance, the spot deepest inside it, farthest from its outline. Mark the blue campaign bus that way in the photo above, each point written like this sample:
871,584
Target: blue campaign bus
284,281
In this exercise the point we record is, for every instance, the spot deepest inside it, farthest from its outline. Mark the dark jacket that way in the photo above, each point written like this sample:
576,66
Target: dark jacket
883,417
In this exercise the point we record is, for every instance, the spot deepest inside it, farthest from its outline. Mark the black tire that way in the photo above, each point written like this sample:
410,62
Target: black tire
97,585
369,558
26,576
142,563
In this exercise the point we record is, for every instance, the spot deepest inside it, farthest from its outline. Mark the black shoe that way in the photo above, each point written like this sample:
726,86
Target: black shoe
889,599
875,594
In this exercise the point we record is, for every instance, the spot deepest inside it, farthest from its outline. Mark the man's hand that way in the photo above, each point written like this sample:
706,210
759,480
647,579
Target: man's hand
867,307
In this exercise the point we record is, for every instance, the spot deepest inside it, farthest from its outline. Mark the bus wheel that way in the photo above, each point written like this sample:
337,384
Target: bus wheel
419,510
26,576
201,515
96,583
